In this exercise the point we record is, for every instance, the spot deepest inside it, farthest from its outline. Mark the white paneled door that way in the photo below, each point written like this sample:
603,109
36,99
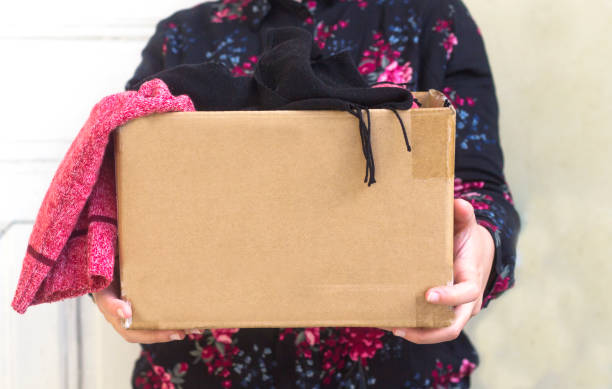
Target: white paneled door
58,59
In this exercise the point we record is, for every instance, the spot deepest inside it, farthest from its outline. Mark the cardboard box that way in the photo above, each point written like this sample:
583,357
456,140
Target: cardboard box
262,218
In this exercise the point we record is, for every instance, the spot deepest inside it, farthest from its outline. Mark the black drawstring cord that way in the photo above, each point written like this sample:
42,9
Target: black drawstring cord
403,128
366,145
366,141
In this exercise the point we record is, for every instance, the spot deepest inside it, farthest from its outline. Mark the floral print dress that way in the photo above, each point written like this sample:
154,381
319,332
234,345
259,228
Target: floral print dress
424,43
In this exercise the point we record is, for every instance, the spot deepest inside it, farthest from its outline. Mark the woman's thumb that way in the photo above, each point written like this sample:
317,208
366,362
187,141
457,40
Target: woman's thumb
464,214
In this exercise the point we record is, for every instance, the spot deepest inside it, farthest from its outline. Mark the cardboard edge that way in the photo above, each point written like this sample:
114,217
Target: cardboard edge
437,323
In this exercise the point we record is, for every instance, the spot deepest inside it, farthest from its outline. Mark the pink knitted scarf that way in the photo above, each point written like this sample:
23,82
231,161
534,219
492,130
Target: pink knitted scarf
71,249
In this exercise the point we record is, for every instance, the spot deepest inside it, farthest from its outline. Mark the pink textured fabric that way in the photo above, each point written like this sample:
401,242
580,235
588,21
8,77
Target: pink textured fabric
71,250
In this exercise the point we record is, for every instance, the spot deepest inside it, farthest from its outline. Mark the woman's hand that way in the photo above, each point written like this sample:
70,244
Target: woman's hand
114,310
474,250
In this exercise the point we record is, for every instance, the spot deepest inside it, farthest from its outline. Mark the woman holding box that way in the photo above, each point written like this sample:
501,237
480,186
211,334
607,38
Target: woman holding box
422,44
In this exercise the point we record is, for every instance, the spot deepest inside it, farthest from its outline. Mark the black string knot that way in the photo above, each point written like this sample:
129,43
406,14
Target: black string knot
366,140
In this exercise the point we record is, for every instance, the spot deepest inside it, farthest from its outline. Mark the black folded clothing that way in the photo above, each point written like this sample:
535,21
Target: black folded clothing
291,74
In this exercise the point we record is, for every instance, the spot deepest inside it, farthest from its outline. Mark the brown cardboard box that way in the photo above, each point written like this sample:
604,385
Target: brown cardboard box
262,218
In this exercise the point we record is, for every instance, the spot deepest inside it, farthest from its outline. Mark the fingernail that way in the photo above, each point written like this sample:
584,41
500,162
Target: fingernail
126,323
120,313
433,297
399,332
175,337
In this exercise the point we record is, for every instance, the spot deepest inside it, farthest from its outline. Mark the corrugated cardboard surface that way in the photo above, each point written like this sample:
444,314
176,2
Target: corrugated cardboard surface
262,218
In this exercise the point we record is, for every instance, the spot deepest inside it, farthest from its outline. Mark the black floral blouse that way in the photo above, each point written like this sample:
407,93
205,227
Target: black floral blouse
425,43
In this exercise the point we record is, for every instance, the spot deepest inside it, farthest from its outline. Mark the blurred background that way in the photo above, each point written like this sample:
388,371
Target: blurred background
551,63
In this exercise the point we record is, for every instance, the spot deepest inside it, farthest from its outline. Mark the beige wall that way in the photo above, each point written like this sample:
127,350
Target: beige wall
551,61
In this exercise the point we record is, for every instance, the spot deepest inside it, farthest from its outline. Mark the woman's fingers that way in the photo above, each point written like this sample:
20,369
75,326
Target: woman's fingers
149,336
138,336
115,311
437,335
457,294
110,304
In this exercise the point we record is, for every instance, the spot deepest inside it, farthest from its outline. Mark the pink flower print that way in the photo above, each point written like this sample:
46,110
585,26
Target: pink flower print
158,377
246,68
367,67
501,284
443,377
485,223
224,335
207,352
183,366
396,74
217,353
362,343
449,43
461,186
230,10
507,194
323,31
442,26
195,336
378,55
313,335
464,190
457,100
219,15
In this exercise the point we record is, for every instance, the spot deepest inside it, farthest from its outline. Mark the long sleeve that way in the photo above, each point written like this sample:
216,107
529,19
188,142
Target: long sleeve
455,62
154,53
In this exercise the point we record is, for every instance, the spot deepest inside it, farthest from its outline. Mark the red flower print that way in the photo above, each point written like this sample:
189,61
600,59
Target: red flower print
450,39
487,224
207,352
357,343
246,69
217,353
442,378
158,377
464,190
396,74
224,335
501,284
183,366
457,100
449,43
230,10
194,336
367,67
380,57
323,31
442,26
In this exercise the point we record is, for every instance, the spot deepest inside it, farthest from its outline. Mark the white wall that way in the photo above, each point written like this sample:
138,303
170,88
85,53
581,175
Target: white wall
551,64
58,59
